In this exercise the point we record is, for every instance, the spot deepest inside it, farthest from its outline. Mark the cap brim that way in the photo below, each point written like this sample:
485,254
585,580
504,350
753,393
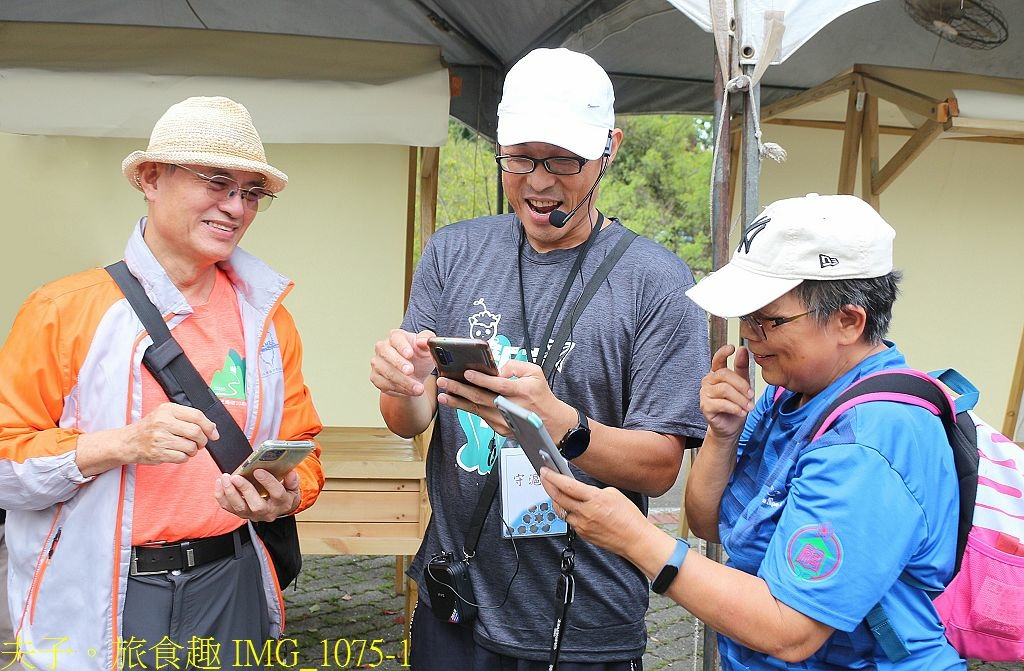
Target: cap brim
581,139
733,291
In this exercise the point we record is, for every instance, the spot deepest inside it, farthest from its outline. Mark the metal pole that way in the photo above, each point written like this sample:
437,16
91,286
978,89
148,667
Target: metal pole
721,214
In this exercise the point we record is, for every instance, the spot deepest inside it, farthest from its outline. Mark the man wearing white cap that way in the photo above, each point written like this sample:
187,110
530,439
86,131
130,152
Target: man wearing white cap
123,534
613,376
817,533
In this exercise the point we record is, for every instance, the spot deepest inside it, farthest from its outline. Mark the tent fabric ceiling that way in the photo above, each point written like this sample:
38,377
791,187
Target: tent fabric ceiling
659,60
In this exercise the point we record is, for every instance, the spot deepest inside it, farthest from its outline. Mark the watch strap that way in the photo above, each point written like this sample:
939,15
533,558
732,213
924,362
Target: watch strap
671,568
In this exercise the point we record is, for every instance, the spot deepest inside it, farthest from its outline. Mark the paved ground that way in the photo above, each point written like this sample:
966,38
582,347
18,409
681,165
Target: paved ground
343,604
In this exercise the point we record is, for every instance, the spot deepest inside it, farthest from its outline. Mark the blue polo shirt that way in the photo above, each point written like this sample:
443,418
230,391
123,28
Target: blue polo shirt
831,525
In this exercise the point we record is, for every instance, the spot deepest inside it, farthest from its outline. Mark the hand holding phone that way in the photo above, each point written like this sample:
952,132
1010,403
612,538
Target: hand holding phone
454,356
278,457
531,435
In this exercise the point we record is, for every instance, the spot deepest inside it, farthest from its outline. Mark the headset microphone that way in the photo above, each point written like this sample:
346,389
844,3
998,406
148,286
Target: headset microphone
557,218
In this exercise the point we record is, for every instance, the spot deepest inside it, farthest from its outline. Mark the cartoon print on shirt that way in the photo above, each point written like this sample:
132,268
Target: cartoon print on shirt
474,454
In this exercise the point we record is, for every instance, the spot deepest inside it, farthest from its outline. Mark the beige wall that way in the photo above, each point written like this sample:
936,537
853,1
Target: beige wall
338,232
959,235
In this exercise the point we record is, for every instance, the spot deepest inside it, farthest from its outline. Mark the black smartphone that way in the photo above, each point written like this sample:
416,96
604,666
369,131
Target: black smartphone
454,356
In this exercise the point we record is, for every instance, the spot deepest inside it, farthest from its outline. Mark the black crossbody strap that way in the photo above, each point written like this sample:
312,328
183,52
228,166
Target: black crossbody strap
554,353
178,376
483,505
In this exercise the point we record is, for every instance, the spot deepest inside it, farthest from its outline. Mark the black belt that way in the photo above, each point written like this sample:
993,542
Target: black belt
185,555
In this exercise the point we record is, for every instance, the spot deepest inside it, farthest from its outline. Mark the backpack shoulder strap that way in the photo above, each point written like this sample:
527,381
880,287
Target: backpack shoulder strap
900,386
915,388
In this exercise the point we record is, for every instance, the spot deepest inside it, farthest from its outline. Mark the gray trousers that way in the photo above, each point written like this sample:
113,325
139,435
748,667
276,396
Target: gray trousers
6,631
215,608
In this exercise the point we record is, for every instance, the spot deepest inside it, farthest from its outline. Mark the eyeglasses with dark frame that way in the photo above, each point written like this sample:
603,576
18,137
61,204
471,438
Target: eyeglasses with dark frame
756,324
518,164
222,187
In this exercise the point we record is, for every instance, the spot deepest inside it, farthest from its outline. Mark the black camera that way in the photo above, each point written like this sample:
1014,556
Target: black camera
451,592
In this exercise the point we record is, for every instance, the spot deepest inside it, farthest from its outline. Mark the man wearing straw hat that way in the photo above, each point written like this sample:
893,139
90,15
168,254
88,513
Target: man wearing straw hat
99,470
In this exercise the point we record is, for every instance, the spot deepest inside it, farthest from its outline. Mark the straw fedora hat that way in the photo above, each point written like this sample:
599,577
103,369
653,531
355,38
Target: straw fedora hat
215,132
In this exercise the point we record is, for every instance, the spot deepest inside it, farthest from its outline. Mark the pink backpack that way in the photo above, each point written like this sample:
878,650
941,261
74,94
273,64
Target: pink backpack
982,608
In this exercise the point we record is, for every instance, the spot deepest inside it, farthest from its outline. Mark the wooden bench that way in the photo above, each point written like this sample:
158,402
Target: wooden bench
374,500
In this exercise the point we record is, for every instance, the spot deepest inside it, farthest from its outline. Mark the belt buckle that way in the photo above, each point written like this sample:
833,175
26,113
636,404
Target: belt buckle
188,556
134,567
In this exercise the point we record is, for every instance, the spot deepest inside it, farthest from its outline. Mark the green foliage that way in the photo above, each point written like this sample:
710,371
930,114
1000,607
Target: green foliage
658,185
467,176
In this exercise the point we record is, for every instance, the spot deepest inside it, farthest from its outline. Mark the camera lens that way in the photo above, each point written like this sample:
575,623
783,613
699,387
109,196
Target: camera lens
271,455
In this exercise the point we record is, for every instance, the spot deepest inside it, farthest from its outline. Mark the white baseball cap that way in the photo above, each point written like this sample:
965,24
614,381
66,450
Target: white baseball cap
560,97
796,239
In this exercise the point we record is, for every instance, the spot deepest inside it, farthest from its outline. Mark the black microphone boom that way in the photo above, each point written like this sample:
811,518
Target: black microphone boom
558,218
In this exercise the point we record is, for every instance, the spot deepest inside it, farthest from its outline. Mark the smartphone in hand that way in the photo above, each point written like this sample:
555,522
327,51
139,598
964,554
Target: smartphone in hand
279,457
454,356
532,437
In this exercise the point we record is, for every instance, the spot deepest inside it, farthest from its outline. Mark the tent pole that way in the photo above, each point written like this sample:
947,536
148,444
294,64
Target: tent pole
721,214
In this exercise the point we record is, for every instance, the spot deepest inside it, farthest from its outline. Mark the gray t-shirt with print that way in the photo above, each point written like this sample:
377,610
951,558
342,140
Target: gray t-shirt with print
634,359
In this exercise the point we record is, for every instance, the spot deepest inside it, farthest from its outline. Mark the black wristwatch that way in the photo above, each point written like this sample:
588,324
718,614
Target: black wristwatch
577,439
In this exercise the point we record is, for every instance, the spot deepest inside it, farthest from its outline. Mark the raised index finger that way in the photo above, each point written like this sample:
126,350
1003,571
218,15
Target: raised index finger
720,359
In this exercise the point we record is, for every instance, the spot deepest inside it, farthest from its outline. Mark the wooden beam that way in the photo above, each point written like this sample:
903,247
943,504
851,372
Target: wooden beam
937,110
826,90
851,142
910,150
869,151
821,124
950,134
430,158
410,227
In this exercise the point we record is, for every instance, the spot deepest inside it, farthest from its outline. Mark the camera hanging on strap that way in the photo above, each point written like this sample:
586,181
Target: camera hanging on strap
445,576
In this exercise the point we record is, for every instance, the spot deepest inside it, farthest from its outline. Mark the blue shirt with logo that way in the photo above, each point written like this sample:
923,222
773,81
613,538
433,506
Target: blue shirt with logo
831,525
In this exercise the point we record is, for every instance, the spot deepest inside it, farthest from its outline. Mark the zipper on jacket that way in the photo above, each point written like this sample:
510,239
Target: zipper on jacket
38,580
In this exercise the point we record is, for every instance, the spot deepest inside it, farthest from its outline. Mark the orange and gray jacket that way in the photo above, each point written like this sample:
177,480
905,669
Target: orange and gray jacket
71,365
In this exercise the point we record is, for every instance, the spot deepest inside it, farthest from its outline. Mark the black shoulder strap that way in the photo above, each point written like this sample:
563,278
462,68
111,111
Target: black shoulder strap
554,352
491,484
179,378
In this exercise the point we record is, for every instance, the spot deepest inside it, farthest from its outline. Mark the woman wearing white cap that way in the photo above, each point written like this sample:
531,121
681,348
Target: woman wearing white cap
818,533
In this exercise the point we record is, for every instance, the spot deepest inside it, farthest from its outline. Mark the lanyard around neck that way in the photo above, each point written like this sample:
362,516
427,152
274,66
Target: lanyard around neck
542,349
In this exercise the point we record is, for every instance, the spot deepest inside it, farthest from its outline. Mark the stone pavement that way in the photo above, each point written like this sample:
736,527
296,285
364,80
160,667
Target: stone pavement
345,606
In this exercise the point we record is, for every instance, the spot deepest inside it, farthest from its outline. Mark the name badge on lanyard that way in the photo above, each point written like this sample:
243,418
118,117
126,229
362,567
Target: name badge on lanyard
526,508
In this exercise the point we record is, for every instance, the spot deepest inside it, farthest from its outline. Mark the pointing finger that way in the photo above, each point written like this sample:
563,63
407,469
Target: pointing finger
720,359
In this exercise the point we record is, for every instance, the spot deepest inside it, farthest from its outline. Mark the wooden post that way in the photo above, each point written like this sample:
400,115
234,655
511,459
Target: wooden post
430,159
851,140
869,151
1013,405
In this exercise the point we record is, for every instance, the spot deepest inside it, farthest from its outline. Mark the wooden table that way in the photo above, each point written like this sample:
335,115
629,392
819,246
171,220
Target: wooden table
374,500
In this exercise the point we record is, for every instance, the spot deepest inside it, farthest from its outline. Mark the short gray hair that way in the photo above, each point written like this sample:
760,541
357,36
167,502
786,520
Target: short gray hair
824,298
